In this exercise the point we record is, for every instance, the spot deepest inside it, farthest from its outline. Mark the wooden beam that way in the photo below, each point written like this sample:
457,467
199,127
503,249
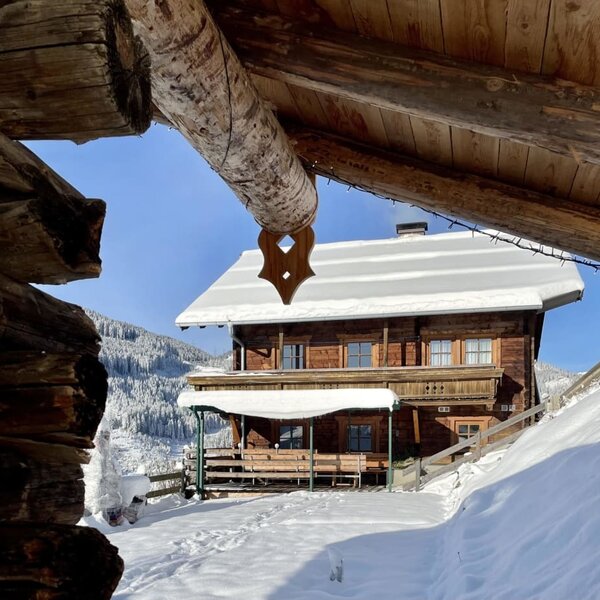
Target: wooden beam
200,86
57,561
537,110
41,482
33,320
545,219
49,233
71,70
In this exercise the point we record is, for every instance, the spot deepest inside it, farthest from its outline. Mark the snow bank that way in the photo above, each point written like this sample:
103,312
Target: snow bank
519,527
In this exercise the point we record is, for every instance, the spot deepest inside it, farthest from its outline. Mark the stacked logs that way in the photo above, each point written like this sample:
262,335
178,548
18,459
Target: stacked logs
68,70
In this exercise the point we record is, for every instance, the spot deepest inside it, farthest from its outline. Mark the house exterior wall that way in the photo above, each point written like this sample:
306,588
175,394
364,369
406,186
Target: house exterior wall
400,342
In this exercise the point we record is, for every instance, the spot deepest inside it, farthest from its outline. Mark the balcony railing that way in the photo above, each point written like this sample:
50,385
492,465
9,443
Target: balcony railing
430,386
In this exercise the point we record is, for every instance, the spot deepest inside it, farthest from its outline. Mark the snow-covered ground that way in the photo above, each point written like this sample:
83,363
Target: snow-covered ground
523,524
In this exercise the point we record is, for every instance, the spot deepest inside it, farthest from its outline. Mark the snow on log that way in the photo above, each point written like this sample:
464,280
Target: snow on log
57,561
71,70
41,482
33,320
200,86
49,233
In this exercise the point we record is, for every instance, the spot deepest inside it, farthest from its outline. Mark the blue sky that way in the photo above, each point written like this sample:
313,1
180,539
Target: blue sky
173,227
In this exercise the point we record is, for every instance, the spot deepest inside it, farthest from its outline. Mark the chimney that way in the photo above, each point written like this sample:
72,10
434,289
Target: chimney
418,228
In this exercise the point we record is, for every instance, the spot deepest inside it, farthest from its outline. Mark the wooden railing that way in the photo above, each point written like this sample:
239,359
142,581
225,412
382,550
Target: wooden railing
178,476
476,443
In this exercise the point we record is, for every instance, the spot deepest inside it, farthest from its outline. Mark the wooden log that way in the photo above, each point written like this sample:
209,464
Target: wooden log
49,233
68,411
538,110
557,222
71,70
32,320
200,86
40,482
34,369
57,562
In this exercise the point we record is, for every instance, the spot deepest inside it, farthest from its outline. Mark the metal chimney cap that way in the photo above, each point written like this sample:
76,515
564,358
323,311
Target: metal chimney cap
416,228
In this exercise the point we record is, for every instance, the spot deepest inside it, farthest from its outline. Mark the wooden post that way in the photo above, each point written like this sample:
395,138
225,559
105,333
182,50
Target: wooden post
386,331
71,70
416,428
280,349
417,474
311,458
478,445
390,467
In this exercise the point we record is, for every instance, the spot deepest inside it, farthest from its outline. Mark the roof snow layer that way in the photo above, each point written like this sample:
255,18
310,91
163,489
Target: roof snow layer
413,275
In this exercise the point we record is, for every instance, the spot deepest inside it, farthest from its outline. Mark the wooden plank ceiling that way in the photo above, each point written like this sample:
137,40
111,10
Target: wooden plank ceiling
548,37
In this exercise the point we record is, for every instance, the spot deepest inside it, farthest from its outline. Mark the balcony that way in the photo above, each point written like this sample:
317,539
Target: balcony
416,386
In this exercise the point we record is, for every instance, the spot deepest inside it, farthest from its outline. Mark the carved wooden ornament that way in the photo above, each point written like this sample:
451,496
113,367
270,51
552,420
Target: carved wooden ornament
286,270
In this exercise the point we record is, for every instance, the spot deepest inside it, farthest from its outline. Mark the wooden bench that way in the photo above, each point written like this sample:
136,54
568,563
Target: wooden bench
291,464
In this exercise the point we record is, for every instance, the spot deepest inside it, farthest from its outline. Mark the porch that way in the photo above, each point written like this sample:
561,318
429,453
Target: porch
262,466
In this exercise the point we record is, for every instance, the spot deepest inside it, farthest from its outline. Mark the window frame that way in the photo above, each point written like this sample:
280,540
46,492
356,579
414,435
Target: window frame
371,354
359,450
450,353
291,426
293,357
465,352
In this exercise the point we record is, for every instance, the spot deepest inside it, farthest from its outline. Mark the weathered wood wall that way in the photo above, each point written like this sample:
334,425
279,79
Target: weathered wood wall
70,70
513,335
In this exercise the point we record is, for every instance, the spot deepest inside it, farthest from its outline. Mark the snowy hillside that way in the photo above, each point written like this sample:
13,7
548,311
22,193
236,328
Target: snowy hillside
521,524
553,380
146,373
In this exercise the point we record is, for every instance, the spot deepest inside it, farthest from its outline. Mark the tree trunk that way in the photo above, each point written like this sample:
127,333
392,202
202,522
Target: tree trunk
41,482
557,222
49,233
203,90
57,561
71,70
33,320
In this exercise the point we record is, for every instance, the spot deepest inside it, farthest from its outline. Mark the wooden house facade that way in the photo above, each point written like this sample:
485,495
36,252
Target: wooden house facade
454,336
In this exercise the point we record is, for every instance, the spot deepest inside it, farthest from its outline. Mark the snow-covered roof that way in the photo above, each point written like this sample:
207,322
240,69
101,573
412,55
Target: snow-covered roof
289,404
413,275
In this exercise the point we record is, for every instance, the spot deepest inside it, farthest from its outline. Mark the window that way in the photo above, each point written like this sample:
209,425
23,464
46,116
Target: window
291,437
466,430
293,356
359,354
478,351
360,438
440,353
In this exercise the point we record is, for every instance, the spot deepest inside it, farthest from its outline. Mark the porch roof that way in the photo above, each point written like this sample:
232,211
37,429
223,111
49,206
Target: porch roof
289,404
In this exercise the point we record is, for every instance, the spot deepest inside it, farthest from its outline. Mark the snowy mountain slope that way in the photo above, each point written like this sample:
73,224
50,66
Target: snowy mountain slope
518,525
553,380
146,373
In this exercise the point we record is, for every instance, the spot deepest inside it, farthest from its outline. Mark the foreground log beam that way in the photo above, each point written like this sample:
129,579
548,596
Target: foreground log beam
41,482
49,233
58,397
71,70
537,110
57,561
200,86
545,219
33,320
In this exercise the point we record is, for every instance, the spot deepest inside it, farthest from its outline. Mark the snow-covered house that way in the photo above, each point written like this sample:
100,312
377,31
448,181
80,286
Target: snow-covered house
451,323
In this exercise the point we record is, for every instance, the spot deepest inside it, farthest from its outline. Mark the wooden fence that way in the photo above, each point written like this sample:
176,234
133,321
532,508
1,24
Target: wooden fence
175,476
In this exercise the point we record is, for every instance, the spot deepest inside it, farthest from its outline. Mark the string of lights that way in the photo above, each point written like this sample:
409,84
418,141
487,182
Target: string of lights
495,237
